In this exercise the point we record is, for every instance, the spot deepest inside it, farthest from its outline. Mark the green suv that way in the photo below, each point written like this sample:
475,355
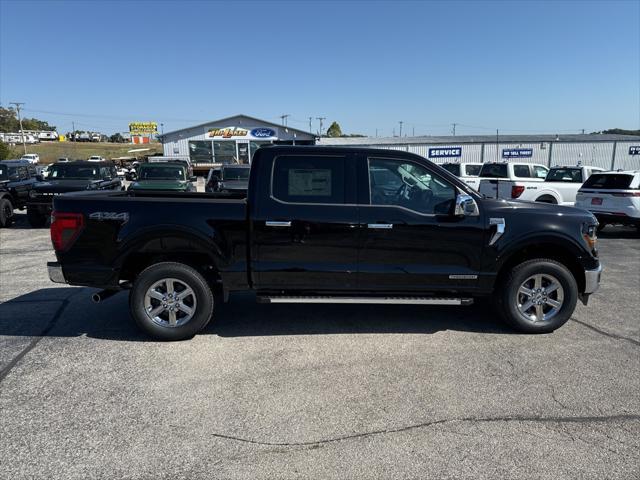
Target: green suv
163,176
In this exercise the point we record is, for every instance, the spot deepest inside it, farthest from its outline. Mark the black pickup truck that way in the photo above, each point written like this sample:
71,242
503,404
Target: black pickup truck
327,225
65,177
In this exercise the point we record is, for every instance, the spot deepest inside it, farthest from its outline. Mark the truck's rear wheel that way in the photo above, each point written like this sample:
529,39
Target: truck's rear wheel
6,212
538,296
36,218
171,301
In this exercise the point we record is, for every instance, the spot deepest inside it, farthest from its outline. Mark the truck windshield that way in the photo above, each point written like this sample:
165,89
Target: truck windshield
71,171
495,170
236,173
453,168
570,175
608,182
162,173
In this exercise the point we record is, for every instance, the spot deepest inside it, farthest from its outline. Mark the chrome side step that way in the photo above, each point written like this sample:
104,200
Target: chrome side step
366,300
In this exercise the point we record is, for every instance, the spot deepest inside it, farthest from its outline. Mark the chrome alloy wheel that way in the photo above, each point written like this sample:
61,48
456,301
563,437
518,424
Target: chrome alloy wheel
170,302
540,298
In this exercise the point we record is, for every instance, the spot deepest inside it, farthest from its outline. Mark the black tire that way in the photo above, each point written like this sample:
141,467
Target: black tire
6,213
36,218
204,301
508,296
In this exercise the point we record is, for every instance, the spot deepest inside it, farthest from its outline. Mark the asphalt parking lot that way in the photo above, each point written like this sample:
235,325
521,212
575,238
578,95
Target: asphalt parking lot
277,391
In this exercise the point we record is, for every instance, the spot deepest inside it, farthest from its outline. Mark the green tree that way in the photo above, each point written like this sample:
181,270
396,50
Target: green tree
334,130
8,120
5,151
116,138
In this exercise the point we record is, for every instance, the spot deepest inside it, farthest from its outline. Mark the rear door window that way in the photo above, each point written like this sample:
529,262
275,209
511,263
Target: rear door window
608,182
540,172
309,179
472,170
521,171
496,170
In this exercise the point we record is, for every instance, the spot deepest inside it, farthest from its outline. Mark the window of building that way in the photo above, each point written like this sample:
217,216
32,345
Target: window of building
225,151
309,179
200,151
409,185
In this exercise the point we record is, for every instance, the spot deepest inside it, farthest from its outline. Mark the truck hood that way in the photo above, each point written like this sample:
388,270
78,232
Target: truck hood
171,185
520,207
63,186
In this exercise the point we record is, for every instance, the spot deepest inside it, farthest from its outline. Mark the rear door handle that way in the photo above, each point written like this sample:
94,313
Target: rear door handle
381,226
270,223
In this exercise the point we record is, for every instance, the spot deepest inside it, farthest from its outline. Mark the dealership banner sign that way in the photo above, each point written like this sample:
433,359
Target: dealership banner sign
447,152
260,133
635,150
143,128
517,152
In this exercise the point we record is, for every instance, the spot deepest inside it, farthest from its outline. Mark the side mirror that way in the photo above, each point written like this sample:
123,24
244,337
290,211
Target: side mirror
465,206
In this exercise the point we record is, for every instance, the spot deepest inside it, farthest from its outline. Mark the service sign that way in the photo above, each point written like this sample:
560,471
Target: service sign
517,152
635,150
445,152
143,128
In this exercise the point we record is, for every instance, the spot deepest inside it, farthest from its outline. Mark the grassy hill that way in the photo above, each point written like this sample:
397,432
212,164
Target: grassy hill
50,151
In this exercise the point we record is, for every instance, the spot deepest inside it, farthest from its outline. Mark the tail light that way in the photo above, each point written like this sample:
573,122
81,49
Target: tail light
626,194
516,191
65,228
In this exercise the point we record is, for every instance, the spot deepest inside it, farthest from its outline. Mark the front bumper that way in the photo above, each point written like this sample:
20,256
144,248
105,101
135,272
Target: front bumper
592,280
55,272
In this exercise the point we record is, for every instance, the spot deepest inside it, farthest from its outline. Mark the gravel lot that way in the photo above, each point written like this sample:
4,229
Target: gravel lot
274,391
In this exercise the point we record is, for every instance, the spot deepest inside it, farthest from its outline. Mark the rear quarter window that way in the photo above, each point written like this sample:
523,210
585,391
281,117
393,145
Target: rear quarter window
521,171
608,182
472,170
496,170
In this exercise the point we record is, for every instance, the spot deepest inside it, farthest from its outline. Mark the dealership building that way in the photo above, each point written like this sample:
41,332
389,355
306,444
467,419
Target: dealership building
235,140
598,150
229,140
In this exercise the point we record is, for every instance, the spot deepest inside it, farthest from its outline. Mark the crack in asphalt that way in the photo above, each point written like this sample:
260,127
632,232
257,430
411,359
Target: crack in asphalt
36,339
607,334
580,419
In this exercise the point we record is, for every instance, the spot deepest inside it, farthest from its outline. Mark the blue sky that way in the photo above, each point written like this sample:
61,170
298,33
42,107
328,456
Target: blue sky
523,67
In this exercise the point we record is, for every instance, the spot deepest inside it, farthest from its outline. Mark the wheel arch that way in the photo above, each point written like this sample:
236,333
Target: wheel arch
566,254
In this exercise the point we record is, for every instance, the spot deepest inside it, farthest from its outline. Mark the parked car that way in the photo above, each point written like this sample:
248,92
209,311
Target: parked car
313,229
96,158
498,179
228,178
68,177
559,186
613,197
31,158
163,176
63,159
16,180
184,160
468,172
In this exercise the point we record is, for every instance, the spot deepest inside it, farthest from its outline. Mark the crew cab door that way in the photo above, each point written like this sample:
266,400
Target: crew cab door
410,239
305,230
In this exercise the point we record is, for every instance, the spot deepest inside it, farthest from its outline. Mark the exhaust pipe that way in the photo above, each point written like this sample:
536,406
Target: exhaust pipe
103,295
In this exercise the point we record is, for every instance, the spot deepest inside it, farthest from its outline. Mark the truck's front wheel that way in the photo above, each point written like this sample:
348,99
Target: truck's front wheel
171,301
538,296
6,212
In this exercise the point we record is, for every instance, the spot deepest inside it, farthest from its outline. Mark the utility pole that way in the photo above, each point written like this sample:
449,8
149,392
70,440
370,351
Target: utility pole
583,131
18,107
284,119
321,119
376,133
453,130
73,130
162,129
413,131
400,122
310,118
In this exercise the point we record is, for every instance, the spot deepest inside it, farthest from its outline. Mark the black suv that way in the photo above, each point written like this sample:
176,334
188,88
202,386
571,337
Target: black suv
66,177
17,178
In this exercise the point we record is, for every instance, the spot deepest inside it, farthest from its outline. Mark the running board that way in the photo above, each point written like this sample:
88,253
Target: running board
367,300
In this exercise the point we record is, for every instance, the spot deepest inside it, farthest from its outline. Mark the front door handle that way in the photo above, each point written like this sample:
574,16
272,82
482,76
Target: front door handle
381,226
270,223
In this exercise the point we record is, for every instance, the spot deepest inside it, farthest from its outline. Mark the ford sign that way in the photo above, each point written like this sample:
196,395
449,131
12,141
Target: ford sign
263,133
445,152
635,150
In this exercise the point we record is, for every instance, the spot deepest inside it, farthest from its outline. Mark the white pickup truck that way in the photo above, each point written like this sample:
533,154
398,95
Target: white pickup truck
559,187
504,179
467,172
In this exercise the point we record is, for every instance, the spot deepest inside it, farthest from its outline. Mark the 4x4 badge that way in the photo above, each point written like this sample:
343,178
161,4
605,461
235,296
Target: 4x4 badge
117,216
